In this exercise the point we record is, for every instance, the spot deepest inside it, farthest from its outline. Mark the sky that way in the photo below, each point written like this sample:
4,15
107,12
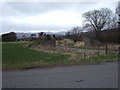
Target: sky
46,16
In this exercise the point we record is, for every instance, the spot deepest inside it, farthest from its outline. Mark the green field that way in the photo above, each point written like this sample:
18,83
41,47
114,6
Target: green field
15,55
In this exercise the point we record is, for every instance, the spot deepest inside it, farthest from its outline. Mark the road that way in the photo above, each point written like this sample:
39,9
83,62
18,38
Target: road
88,50
103,75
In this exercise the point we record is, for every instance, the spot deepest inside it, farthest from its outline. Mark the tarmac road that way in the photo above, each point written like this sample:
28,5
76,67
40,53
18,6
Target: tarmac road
103,75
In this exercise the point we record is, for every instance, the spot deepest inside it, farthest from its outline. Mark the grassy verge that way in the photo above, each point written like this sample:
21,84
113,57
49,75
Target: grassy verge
92,60
101,59
15,55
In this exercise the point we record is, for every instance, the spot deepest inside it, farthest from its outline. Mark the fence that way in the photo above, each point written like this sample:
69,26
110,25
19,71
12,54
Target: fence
89,53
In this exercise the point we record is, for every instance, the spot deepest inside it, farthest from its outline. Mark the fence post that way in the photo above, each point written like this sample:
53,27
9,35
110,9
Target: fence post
118,53
98,51
106,49
84,55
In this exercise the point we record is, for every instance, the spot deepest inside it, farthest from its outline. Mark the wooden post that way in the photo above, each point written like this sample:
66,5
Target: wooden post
106,49
118,53
84,55
98,51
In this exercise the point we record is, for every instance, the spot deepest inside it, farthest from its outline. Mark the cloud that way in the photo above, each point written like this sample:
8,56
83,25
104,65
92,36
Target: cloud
58,18
33,8
46,16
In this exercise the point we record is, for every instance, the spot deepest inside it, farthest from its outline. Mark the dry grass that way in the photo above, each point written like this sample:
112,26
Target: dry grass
74,54
79,44
65,42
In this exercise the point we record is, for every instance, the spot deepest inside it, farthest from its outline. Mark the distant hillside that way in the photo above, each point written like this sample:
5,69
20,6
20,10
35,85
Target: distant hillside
28,35
60,33
25,35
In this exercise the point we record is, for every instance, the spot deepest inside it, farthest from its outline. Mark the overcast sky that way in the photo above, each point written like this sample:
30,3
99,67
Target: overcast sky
46,16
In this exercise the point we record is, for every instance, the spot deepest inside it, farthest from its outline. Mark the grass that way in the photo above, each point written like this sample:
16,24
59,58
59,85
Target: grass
92,60
102,58
15,55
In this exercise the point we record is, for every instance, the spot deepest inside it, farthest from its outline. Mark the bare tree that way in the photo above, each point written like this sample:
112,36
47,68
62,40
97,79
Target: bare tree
75,31
97,20
113,22
116,18
118,12
54,36
40,34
